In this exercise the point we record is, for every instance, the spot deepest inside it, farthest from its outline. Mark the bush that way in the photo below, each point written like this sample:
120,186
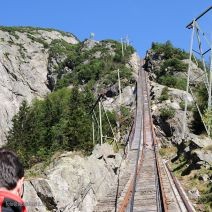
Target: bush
181,83
164,94
182,106
169,51
167,113
173,81
168,80
174,65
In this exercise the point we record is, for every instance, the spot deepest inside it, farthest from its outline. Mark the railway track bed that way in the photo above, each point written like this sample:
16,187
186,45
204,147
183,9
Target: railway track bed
147,184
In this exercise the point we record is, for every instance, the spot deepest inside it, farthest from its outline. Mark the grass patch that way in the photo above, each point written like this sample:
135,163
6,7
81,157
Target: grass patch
192,180
167,113
168,152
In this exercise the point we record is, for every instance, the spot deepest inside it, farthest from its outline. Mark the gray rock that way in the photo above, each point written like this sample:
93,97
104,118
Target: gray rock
204,156
24,71
31,199
204,177
75,183
193,194
89,44
200,142
44,192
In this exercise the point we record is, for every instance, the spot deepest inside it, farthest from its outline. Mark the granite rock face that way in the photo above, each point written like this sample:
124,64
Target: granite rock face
24,70
75,183
196,148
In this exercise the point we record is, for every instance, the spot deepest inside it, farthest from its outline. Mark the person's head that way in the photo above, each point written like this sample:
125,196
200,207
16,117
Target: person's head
11,172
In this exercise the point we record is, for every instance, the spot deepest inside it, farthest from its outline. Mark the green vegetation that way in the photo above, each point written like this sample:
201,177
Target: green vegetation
164,94
206,198
168,152
168,51
38,40
60,122
201,95
88,67
193,179
182,106
167,113
22,50
171,65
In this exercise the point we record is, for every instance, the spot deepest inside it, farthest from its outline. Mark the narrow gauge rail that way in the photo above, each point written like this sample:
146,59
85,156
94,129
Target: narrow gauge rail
146,188
148,185
153,187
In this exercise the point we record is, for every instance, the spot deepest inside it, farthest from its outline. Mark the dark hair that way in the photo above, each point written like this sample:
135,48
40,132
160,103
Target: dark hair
11,169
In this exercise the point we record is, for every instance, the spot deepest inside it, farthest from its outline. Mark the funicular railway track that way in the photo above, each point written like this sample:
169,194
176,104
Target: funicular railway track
147,194
148,184
146,191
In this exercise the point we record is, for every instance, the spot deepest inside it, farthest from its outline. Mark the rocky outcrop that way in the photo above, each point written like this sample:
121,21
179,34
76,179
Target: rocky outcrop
74,182
193,147
24,69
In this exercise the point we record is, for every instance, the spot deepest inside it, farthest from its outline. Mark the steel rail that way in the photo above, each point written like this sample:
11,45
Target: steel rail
187,204
155,143
138,168
129,192
129,196
161,199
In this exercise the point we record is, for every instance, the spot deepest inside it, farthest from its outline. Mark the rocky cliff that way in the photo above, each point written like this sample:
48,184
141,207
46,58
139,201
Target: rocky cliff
75,183
24,62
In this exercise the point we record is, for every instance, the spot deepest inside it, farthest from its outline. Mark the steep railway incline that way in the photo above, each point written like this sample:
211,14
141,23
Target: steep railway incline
147,184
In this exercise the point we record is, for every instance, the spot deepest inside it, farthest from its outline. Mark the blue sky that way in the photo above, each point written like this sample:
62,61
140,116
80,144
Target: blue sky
143,21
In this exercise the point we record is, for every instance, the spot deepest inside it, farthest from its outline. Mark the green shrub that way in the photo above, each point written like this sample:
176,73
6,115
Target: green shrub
169,51
87,68
181,83
164,94
167,113
173,65
168,80
182,106
173,81
32,30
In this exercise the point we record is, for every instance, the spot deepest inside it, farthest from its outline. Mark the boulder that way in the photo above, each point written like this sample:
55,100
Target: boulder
204,177
203,155
193,194
76,183
31,198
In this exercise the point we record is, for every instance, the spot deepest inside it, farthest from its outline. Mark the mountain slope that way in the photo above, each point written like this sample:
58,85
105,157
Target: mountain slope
23,68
